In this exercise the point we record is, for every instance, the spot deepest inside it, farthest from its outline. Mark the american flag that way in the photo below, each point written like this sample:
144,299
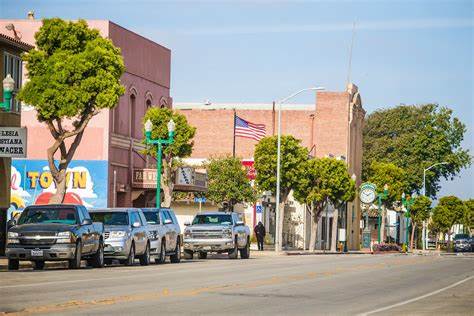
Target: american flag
246,129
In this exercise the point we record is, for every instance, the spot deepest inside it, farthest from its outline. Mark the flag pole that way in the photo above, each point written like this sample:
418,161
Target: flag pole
233,148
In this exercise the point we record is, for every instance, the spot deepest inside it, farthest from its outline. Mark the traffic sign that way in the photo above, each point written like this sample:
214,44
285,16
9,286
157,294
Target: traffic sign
259,209
200,199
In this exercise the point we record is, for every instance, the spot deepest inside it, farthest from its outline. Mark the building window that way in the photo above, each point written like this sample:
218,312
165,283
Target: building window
133,110
148,104
13,65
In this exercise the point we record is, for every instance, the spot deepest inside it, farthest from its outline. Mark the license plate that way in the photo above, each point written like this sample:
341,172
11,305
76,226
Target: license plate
37,253
207,248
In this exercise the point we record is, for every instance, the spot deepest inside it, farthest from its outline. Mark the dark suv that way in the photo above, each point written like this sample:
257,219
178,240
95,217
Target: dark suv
462,242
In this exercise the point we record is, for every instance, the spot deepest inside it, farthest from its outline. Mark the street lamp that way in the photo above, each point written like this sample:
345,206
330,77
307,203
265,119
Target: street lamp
279,228
381,196
160,142
407,203
424,232
8,87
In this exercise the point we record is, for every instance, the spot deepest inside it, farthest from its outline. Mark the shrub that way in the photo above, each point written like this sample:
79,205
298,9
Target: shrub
386,247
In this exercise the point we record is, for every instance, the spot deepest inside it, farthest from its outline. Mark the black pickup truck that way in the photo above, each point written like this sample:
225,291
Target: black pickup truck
54,233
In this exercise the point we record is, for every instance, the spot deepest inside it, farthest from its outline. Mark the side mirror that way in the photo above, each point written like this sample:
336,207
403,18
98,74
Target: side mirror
11,223
187,223
86,221
136,225
168,221
239,223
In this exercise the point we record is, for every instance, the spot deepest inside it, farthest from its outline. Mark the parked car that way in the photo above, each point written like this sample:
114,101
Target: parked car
217,232
125,234
53,233
462,242
165,234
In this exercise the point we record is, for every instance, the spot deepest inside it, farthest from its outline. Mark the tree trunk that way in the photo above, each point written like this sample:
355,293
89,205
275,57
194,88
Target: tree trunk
334,230
167,183
281,207
314,232
412,235
436,241
61,186
449,242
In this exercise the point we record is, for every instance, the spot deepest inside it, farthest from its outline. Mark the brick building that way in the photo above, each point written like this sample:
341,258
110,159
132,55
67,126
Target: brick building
330,127
101,171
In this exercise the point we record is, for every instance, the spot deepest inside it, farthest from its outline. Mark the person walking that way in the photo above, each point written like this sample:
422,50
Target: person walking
260,232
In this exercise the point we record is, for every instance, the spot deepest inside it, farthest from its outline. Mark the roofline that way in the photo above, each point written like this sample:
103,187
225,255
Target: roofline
17,43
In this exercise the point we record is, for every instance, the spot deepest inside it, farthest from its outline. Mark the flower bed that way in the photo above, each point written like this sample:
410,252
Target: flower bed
386,248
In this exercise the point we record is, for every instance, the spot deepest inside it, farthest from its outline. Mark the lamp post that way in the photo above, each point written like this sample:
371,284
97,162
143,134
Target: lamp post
8,87
407,203
279,230
381,196
424,232
160,142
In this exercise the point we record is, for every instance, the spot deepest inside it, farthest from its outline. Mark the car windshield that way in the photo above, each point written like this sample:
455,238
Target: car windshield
46,215
217,219
152,217
111,218
461,236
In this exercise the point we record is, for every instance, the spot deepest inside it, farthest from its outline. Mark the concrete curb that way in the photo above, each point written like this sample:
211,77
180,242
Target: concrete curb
29,265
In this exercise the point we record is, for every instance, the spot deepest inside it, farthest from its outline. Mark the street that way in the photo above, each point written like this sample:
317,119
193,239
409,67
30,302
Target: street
265,285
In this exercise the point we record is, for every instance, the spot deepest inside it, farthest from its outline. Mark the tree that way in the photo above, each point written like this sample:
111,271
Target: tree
449,211
73,74
323,181
414,138
228,182
293,157
182,146
419,212
468,219
381,174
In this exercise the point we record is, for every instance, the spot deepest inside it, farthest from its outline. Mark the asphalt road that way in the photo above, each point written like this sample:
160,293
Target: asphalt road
286,285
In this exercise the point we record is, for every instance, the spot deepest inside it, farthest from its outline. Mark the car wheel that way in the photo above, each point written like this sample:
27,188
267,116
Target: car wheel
176,258
38,265
245,252
131,256
162,257
203,255
234,253
13,264
188,254
98,258
76,262
145,258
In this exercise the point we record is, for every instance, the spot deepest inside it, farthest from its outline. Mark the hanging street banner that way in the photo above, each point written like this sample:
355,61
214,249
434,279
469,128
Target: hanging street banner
13,142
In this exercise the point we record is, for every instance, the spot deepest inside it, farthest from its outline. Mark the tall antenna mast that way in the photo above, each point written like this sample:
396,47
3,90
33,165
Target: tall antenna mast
350,54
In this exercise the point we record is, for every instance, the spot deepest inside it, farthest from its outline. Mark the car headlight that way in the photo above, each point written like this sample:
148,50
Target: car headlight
187,234
63,237
227,232
117,234
12,238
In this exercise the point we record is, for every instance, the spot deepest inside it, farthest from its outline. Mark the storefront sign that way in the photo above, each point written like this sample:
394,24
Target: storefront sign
144,178
249,166
186,179
13,142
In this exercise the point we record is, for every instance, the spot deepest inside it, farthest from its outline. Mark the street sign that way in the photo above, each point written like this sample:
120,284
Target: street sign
13,142
200,199
259,209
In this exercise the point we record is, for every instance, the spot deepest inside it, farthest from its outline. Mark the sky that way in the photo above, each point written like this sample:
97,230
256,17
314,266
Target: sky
404,52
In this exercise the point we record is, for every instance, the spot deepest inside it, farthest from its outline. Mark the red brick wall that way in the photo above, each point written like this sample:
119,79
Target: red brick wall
214,134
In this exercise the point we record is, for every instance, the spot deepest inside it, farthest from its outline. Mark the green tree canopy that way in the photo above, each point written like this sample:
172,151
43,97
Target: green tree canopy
449,211
182,146
73,73
468,220
414,138
228,182
420,210
381,173
293,157
324,179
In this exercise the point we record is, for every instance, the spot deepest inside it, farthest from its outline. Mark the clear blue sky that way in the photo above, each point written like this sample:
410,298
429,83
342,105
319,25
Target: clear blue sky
257,51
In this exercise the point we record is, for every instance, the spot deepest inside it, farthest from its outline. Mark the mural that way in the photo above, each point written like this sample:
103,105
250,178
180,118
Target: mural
32,183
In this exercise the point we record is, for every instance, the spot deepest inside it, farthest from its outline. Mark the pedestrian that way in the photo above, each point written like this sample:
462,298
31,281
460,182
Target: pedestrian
260,232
